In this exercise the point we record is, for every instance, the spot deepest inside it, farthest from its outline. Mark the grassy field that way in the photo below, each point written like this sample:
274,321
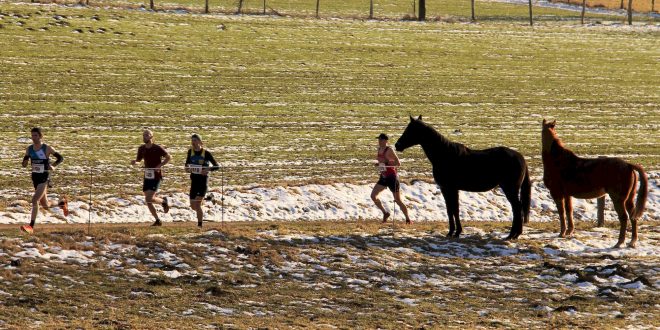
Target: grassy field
291,101
637,5
321,275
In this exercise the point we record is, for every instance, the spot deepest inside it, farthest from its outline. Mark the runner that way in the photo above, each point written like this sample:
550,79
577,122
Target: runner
197,164
39,153
387,164
154,157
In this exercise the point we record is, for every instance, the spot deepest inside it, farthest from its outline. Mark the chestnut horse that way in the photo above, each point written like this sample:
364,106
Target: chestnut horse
567,175
457,167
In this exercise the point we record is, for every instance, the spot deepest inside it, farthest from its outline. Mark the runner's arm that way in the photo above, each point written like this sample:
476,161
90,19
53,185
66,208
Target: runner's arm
58,156
215,164
392,158
165,161
26,157
185,166
138,158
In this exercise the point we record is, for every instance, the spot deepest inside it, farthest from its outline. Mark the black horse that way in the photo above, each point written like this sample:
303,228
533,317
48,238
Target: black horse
456,167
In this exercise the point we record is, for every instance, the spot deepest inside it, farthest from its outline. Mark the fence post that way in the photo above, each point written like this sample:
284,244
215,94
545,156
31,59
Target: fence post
584,5
317,8
371,9
531,21
151,4
629,12
264,7
472,3
206,7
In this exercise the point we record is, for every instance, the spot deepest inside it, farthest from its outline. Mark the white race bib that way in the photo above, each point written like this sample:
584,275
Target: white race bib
381,167
195,169
38,168
149,174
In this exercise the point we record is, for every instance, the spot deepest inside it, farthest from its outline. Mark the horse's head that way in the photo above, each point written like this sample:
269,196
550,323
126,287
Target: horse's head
548,134
410,136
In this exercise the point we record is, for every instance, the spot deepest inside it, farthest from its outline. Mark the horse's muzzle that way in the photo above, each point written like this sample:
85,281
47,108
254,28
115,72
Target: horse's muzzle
397,147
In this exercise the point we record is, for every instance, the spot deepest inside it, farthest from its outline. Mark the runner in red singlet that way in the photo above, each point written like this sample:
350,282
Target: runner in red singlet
387,164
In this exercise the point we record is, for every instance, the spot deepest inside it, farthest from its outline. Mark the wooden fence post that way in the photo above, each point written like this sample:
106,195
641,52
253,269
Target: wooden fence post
151,4
371,9
317,8
629,12
531,20
206,6
584,5
472,3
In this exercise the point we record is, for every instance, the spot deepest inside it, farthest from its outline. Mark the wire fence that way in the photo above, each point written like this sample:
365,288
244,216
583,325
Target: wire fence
374,9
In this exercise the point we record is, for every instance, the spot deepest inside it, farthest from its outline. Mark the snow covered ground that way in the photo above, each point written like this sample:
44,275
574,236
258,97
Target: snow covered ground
340,201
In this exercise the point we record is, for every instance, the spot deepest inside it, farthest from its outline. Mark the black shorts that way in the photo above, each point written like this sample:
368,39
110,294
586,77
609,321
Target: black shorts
151,184
199,187
391,182
39,178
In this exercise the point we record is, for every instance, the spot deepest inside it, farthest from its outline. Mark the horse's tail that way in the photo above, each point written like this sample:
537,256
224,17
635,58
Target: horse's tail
642,193
526,195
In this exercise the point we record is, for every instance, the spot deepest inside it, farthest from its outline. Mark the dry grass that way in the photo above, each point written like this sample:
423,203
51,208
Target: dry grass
643,6
248,284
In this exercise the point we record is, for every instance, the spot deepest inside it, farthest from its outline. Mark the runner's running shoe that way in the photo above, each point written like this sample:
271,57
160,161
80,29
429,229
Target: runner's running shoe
386,216
27,228
64,204
166,205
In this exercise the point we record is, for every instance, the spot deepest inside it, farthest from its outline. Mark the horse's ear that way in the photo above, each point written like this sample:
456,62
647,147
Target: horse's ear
411,118
544,122
553,123
419,118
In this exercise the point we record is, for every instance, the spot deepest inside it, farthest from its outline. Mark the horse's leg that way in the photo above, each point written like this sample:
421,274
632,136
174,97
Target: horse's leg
457,218
449,195
560,209
568,208
630,207
633,224
511,194
620,208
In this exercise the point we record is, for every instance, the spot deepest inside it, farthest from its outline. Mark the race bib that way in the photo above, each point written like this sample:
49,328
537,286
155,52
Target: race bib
38,168
381,167
149,174
195,169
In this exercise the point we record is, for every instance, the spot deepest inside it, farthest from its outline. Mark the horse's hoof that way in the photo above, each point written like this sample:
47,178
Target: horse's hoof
632,245
450,234
617,246
456,235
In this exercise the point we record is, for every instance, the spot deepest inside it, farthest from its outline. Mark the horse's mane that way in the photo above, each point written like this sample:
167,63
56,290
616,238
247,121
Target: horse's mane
444,143
561,155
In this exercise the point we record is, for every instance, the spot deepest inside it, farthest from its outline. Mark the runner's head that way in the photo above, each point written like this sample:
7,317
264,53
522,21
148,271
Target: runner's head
36,134
196,141
382,140
147,136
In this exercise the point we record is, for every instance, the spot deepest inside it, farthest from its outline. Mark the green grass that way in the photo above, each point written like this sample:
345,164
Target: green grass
286,100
